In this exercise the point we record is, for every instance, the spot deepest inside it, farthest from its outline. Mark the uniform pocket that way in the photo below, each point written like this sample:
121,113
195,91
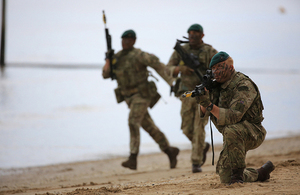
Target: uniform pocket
119,96
252,133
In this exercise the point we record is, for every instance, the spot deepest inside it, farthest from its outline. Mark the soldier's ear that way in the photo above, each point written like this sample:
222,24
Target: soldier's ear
229,66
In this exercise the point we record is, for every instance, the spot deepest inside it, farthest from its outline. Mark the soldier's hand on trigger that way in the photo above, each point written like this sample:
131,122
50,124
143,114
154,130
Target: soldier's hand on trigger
185,70
204,100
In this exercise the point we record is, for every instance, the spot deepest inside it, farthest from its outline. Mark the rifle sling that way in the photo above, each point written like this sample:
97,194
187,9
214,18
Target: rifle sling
212,143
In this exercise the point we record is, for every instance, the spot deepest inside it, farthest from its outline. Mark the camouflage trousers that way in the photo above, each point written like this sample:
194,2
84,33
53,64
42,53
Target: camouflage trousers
193,127
139,116
237,140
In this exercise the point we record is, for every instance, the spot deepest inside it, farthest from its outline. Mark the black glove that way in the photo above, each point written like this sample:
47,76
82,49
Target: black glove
203,100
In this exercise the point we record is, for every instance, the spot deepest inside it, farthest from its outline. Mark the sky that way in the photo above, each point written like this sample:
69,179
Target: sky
255,33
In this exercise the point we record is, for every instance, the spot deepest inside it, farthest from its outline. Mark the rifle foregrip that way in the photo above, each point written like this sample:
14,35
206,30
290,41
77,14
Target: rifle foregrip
187,94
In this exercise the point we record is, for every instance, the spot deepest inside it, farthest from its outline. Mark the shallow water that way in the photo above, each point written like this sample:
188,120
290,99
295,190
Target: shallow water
63,115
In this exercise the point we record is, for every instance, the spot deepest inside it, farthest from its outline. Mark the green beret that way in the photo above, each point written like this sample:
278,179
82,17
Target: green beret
128,34
219,57
195,27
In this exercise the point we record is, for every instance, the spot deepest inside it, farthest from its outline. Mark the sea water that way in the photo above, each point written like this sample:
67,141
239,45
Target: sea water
50,116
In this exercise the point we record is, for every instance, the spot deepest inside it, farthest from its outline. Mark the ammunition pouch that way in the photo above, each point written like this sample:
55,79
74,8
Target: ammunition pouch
154,99
148,90
119,96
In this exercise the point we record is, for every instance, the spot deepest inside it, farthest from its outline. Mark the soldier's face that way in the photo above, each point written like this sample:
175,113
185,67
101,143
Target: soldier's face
195,37
127,43
222,72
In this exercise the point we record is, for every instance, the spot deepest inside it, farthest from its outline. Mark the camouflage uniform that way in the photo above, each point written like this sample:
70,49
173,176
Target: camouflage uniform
133,87
239,122
192,125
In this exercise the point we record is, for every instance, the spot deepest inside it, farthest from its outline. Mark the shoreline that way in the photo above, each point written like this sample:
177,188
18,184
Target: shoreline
108,156
153,175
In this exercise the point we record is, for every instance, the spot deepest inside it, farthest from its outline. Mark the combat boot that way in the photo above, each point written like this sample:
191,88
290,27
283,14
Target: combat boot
264,171
172,153
196,168
204,153
131,163
236,176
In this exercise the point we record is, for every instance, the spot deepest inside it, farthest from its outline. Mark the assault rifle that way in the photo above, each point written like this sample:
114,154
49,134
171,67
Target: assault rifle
110,52
207,83
189,59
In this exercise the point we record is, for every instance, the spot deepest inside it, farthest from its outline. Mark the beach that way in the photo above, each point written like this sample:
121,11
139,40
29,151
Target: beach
55,107
153,175
62,131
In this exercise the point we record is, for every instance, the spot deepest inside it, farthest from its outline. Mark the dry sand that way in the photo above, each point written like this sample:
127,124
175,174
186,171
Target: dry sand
154,176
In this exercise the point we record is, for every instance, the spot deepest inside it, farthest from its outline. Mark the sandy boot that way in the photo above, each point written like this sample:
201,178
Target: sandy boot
204,153
131,163
172,153
264,171
196,168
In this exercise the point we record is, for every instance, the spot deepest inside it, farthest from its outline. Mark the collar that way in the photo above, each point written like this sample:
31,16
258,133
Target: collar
224,85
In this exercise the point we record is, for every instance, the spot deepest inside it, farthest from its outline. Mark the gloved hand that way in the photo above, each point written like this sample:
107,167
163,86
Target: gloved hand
203,100
185,70
109,53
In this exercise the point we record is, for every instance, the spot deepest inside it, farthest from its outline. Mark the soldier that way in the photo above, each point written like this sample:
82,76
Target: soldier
236,110
139,94
191,125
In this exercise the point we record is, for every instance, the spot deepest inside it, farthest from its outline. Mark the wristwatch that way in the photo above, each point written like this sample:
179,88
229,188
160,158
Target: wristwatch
210,107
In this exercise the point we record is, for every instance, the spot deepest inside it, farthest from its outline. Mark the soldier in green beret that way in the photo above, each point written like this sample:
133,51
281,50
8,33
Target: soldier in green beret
133,86
236,109
191,125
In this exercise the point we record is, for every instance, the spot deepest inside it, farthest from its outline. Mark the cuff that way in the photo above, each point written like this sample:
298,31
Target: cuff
221,120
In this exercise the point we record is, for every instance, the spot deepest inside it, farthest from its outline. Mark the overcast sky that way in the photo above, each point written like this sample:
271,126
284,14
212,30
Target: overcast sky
255,33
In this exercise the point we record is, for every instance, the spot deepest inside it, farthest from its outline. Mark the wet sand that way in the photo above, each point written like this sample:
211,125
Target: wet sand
154,176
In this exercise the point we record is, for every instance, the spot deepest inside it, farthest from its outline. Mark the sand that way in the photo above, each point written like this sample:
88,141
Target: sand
154,176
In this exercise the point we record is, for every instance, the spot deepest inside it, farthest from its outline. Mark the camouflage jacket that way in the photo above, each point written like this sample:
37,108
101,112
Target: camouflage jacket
131,70
188,82
239,100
